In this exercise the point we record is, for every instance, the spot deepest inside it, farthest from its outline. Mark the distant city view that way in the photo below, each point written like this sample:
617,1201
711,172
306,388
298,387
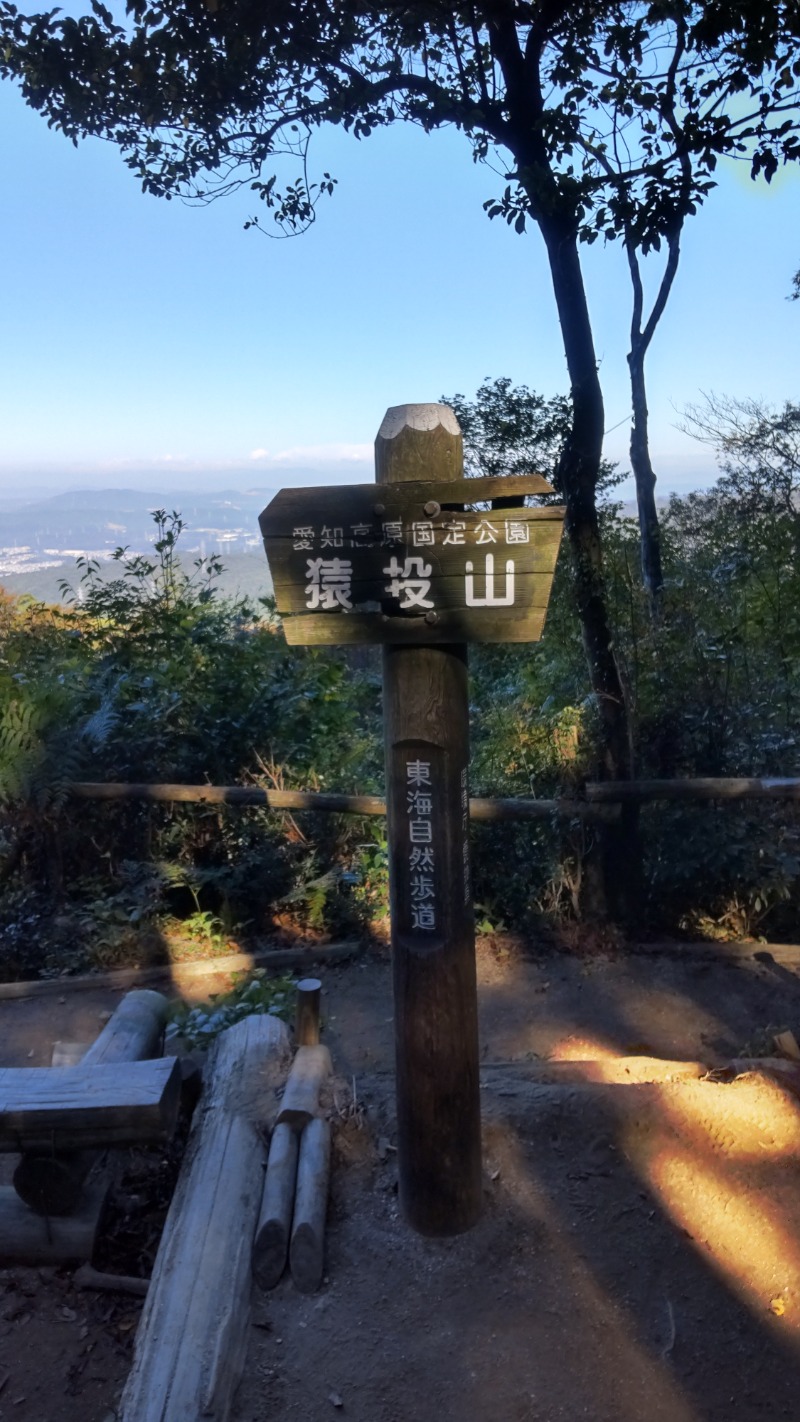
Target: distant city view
41,539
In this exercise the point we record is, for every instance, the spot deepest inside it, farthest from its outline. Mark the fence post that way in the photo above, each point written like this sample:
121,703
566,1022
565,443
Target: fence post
426,720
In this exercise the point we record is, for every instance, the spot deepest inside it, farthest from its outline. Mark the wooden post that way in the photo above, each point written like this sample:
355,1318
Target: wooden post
426,723
306,1026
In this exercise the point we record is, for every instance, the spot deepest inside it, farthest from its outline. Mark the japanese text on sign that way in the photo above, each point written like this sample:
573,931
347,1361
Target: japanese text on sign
421,533
329,584
421,854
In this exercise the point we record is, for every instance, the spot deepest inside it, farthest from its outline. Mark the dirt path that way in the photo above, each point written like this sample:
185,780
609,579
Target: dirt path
630,1263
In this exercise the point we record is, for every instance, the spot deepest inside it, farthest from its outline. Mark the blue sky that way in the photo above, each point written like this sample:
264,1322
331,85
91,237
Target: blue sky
153,345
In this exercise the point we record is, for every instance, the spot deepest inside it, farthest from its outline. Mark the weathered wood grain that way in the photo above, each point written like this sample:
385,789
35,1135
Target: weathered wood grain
307,1247
345,505
367,538
51,1183
311,1068
271,1246
306,1017
480,808
531,588
498,624
192,1336
72,1108
426,719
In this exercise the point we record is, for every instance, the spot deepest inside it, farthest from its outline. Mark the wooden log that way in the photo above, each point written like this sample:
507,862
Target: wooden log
307,1248
480,808
88,1278
192,1336
300,1103
134,1032
426,721
183,974
27,1238
271,1246
50,1183
306,1022
59,1108
231,795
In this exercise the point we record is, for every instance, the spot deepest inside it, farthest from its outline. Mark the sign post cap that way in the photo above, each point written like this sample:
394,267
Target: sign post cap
418,417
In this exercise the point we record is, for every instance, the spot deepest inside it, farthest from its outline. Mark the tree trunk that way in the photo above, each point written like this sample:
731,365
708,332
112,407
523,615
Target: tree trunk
578,473
644,474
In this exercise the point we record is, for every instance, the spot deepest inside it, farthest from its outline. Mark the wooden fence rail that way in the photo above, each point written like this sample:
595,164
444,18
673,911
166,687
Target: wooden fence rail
480,809
600,806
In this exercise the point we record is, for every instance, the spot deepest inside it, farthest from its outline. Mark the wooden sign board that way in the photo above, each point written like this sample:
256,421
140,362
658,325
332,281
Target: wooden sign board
412,563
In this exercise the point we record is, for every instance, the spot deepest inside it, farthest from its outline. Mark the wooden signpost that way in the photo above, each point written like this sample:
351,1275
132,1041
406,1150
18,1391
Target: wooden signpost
423,563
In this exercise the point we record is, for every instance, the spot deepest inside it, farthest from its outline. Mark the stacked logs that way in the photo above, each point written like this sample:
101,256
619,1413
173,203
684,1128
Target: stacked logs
62,1119
292,1217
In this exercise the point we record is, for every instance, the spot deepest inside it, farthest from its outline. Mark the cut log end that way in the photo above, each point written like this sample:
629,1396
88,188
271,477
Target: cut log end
52,1184
308,1252
307,1248
272,1235
29,1239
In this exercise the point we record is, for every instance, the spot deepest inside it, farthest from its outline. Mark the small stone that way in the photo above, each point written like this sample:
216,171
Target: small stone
335,1399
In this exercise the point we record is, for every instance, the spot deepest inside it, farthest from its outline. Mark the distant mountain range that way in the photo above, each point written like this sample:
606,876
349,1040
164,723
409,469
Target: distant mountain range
40,540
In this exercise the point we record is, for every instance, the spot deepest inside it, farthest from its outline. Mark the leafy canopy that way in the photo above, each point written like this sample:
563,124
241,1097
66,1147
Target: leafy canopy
611,117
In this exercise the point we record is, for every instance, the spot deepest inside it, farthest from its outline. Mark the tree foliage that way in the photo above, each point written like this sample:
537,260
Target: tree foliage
149,676
603,120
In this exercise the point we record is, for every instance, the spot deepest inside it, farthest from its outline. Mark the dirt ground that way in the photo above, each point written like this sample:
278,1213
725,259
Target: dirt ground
637,1255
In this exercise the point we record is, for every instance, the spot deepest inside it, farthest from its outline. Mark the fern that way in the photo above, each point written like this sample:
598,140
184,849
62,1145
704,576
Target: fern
40,751
20,748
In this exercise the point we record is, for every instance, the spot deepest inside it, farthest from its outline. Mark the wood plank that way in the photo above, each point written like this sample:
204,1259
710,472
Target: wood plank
357,552
192,1336
505,624
71,1108
350,504
447,535
531,589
